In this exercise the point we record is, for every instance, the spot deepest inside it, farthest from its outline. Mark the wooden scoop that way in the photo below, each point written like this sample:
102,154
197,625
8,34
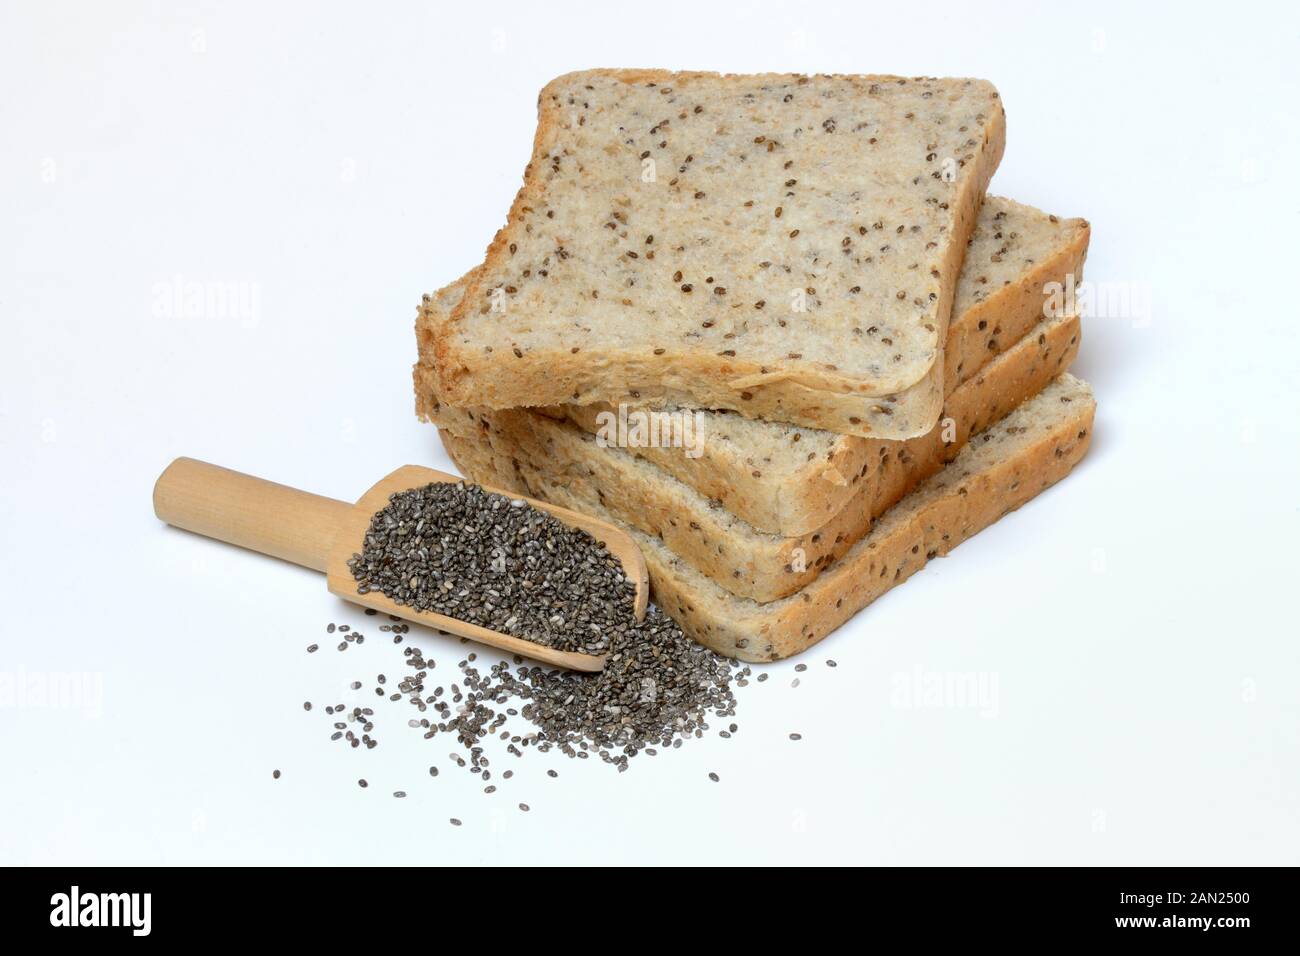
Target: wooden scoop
322,534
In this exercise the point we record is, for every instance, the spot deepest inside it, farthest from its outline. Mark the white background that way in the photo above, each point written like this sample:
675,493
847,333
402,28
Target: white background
1134,627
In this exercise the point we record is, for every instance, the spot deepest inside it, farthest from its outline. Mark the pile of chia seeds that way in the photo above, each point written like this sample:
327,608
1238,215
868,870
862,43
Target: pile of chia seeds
497,562
444,548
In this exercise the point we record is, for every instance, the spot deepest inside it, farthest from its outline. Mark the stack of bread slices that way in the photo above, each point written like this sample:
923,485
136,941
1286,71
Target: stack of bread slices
771,325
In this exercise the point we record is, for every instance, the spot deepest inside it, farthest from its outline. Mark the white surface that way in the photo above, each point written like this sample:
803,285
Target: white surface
1135,626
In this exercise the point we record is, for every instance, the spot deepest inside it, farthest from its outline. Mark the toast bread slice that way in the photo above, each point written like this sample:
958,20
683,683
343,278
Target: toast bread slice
783,246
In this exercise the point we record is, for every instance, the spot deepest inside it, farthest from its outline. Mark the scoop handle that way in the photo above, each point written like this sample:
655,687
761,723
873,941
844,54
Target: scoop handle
250,512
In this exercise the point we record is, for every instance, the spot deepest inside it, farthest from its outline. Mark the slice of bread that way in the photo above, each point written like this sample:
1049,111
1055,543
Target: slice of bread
727,549
783,246
789,481
1029,450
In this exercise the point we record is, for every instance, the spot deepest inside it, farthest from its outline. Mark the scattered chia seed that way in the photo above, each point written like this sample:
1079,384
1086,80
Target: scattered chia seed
831,663
523,807
306,705
455,822
800,668
362,783
275,775
312,648
714,777
399,794
796,736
